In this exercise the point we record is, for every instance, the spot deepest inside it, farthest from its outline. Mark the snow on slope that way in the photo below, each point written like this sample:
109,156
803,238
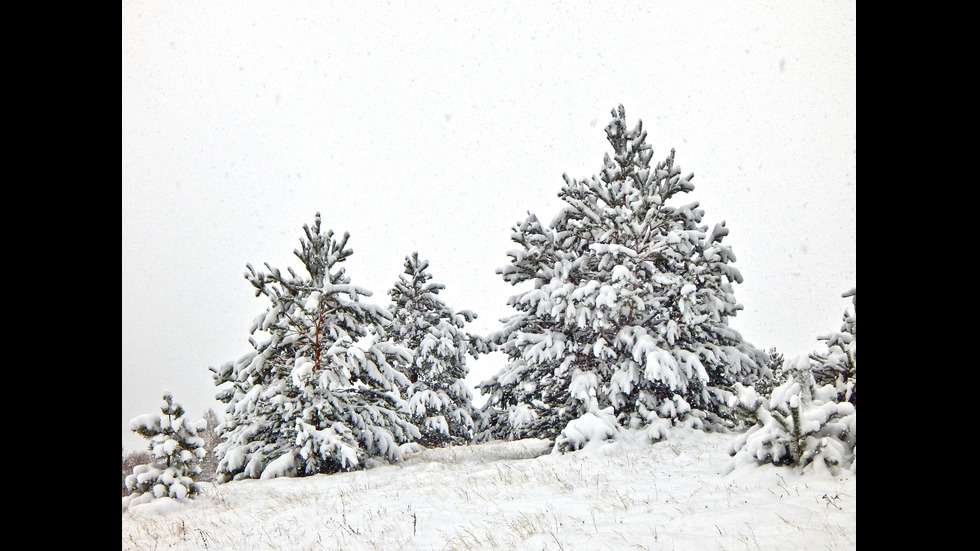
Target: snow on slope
516,495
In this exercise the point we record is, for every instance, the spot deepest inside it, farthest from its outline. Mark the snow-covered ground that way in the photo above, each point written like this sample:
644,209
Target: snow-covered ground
671,495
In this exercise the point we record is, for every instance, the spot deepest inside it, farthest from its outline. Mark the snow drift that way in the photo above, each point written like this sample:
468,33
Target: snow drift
519,495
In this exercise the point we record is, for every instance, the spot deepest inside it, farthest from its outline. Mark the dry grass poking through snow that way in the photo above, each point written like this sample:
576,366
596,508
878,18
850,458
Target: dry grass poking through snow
517,496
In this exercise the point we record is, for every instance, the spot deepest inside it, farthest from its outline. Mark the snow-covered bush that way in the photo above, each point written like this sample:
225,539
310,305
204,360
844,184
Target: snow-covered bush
598,428
801,425
322,391
130,460
176,451
626,306
439,401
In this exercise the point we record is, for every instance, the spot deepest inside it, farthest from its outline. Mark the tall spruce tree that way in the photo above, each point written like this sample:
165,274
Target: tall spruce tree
176,451
320,392
626,317
439,400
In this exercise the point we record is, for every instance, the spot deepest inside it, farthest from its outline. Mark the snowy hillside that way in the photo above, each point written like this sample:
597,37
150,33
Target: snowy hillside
516,495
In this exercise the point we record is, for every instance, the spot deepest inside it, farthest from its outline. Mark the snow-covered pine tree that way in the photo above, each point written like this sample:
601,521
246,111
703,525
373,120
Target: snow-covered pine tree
838,365
801,425
320,393
810,419
212,437
625,326
177,451
439,400
774,362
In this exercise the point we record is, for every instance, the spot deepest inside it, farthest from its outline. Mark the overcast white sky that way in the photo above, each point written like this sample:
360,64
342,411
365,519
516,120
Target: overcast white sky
436,126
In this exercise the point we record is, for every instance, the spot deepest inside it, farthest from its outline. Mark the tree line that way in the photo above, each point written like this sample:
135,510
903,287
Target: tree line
620,332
